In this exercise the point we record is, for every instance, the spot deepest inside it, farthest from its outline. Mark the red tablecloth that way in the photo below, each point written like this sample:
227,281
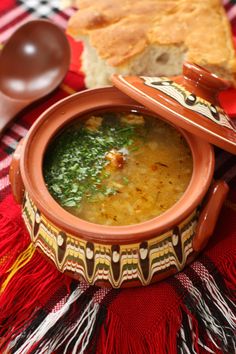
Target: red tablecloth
43,311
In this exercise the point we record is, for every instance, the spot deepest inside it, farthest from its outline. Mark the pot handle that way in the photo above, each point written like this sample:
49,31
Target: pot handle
17,185
209,214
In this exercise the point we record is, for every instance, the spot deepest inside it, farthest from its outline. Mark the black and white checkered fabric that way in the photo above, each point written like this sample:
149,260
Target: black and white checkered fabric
41,8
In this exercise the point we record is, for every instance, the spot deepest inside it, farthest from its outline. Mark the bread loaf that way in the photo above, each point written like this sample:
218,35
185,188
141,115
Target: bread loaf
152,37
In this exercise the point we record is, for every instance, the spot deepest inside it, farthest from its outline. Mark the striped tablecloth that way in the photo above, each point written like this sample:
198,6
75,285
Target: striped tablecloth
43,311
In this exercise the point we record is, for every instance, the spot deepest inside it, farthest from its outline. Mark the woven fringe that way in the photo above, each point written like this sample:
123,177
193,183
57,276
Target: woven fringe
210,317
20,262
43,311
114,338
203,322
63,330
228,269
26,280
26,292
13,241
117,337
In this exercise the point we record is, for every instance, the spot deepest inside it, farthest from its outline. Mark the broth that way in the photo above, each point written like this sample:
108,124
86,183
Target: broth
118,168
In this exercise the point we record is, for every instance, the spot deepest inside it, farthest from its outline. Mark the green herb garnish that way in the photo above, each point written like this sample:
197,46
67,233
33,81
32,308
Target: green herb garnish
74,163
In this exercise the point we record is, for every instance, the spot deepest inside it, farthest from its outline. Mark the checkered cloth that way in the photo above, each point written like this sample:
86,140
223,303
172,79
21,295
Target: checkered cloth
43,311
16,13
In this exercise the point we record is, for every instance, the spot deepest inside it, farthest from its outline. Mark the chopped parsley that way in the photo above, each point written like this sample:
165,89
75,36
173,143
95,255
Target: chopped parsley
74,163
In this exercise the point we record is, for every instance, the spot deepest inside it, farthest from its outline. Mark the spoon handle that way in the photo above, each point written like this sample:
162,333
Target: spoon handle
9,107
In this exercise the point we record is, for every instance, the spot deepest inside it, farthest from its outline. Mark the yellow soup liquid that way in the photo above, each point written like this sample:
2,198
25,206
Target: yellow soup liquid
141,175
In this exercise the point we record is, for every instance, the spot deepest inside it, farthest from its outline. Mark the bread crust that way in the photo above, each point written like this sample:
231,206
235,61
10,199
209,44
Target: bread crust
121,30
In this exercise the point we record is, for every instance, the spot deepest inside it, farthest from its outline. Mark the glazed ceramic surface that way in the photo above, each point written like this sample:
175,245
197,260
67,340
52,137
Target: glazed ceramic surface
189,101
117,256
32,64
114,264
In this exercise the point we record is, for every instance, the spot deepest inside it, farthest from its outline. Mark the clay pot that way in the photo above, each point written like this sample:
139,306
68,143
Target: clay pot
117,256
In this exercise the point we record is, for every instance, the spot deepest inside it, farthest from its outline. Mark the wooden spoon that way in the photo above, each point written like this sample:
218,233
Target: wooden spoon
32,64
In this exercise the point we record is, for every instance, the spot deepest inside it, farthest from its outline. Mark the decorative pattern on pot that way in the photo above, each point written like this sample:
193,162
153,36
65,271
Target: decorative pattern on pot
111,264
189,100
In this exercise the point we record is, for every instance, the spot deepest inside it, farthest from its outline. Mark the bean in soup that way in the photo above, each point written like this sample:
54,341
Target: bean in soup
118,168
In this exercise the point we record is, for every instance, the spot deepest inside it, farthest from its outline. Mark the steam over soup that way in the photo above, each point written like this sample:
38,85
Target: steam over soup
118,169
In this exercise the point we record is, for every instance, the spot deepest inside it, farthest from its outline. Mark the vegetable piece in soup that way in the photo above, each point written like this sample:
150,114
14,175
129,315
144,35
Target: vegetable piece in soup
118,169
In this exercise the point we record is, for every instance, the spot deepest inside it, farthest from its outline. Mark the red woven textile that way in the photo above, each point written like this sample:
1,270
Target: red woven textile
43,311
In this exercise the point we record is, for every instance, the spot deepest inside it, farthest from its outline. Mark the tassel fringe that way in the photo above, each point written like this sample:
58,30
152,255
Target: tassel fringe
27,280
228,269
72,337
46,324
28,290
211,314
204,321
44,312
14,239
21,261
117,337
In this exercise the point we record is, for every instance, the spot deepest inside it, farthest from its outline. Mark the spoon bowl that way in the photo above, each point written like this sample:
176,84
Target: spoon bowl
32,64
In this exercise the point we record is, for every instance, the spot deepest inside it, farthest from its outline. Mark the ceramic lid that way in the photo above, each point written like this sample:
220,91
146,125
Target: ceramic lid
189,101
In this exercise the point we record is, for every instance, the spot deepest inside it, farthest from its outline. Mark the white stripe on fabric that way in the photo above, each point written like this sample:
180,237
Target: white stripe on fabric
48,323
4,182
85,335
90,313
88,316
5,162
194,336
21,131
11,16
10,142
212,292
184,347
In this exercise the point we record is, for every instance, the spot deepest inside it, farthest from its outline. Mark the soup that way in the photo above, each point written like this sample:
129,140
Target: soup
118,168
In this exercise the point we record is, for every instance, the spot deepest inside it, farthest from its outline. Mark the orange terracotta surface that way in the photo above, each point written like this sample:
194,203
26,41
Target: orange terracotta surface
61,114
170,102
101,254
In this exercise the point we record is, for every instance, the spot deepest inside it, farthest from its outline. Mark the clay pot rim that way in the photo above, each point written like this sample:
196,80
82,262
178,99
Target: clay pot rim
35,186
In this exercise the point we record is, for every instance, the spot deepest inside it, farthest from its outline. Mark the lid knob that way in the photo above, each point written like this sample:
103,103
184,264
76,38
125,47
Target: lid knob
202,82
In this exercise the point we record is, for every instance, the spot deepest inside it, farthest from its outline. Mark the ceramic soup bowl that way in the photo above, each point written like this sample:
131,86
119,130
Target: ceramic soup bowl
114,256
